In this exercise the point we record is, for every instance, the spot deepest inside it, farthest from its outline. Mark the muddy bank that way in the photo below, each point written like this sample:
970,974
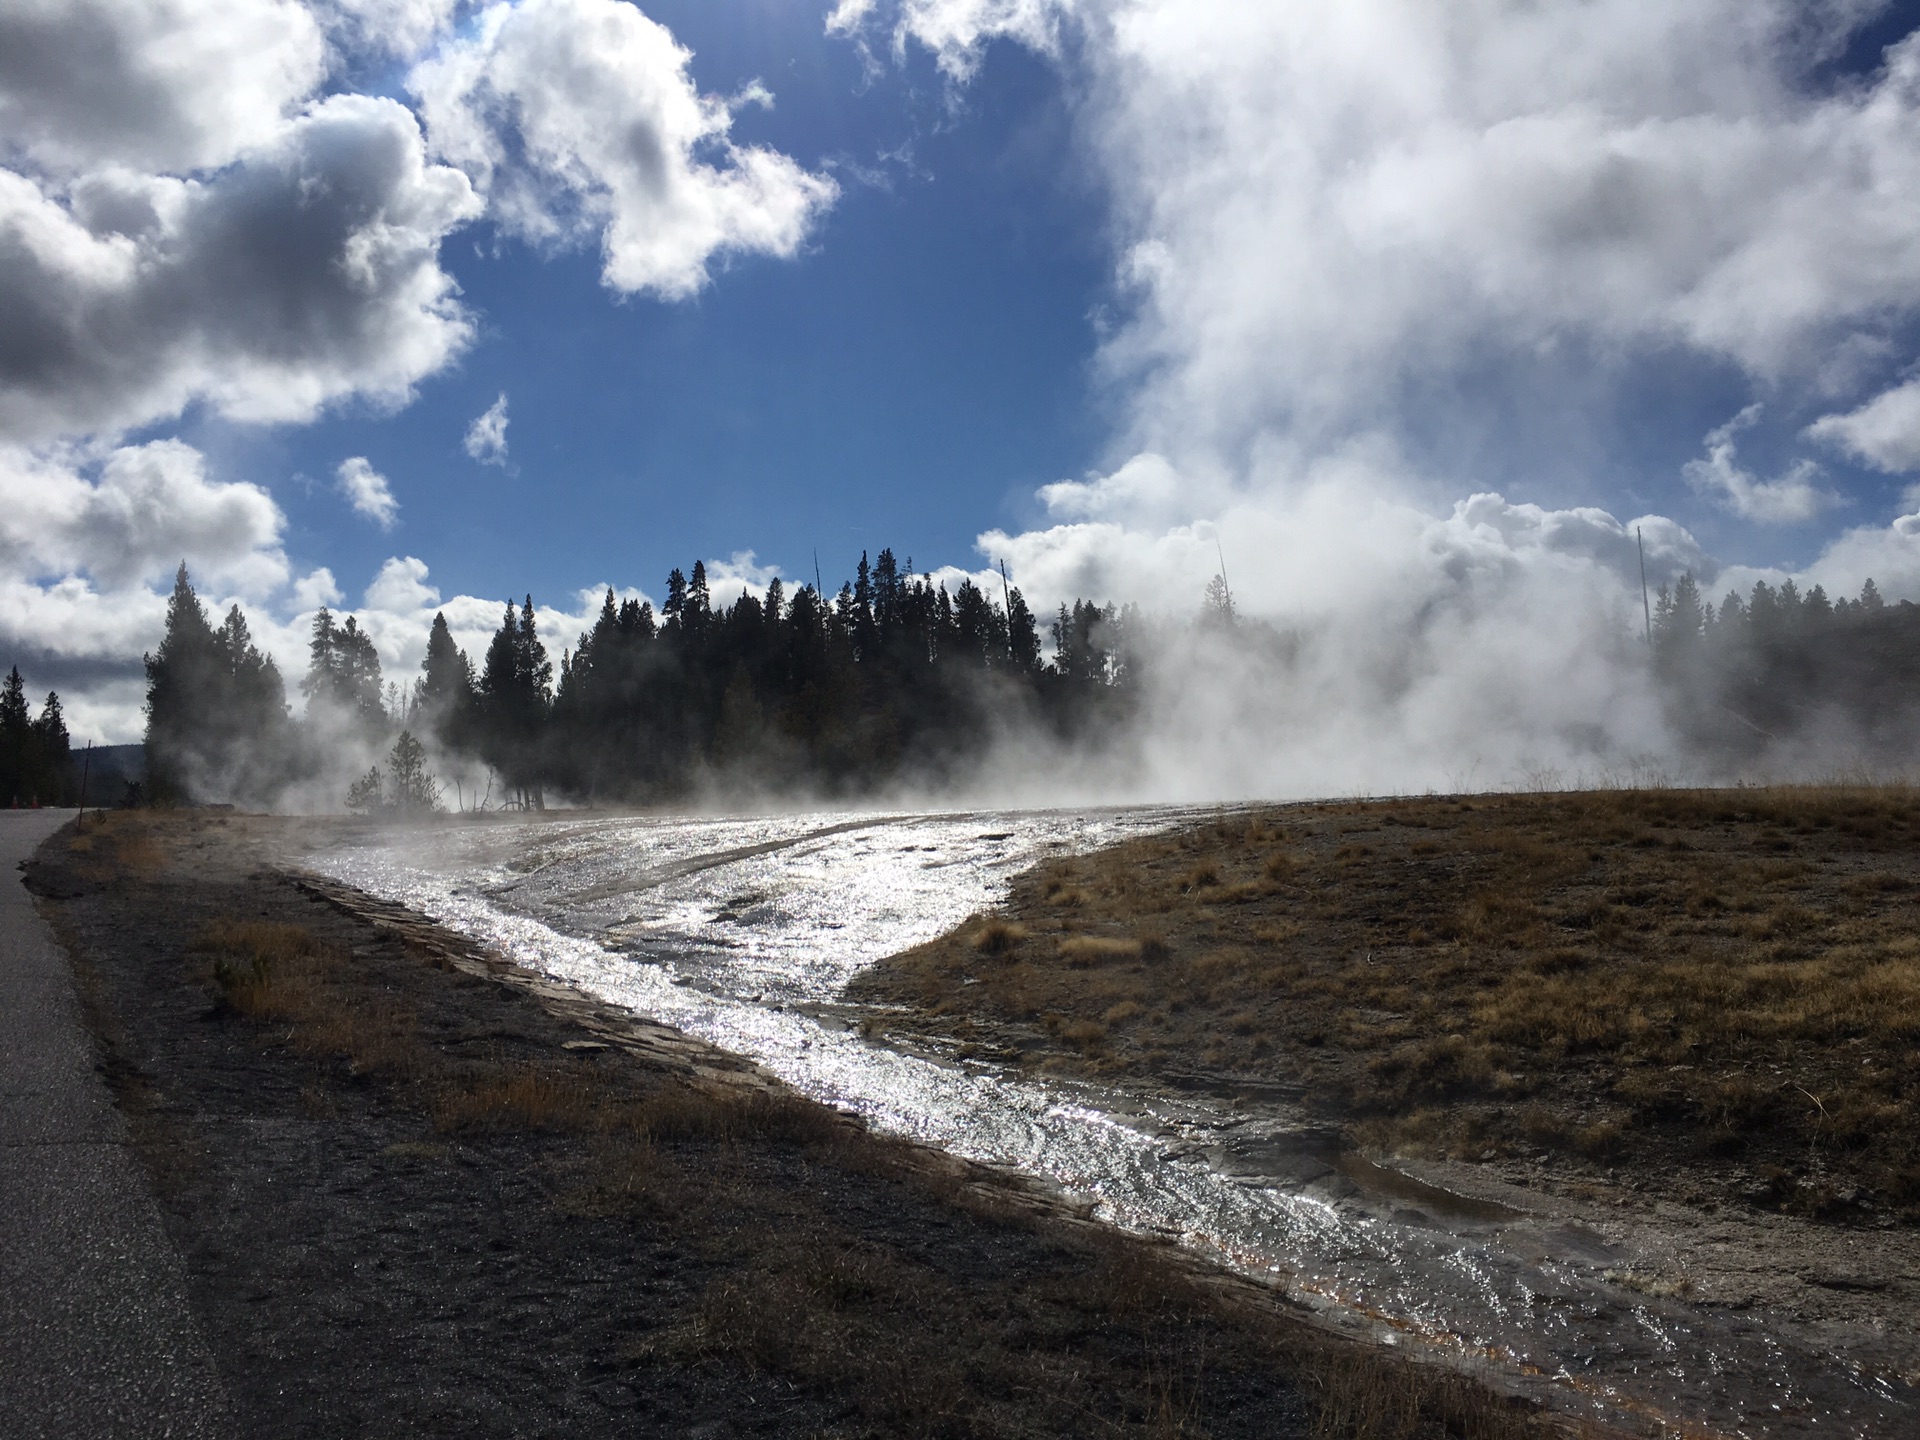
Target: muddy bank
415,1198
1687,1025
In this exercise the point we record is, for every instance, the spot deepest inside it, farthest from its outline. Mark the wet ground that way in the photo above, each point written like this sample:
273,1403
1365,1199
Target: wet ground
746,932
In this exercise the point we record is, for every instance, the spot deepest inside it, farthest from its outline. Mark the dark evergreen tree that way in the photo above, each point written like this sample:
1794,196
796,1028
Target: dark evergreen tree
217,725
16,742
343,679
34,750
1023,635
443,695
513,704
50,755
180,675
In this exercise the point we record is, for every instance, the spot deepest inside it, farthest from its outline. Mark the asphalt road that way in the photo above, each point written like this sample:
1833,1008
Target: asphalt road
96,1336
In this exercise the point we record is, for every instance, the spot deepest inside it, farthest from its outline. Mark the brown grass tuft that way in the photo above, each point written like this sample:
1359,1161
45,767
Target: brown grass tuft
1085,950
997,937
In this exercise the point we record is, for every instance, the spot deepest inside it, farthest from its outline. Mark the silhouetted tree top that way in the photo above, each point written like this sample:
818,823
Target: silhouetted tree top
15,719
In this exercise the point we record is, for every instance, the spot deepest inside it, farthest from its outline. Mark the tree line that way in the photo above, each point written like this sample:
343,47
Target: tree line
1778,665
35,753
893,675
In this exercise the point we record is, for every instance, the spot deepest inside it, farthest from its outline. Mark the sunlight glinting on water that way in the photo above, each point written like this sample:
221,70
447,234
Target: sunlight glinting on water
745,932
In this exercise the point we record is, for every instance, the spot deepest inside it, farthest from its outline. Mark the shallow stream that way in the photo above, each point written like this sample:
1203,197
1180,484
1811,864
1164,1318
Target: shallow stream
746,931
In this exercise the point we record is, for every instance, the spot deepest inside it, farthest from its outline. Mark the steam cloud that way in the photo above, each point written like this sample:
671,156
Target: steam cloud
1328,219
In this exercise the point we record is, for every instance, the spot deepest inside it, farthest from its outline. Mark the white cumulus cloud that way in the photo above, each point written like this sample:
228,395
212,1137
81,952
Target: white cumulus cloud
164,86
578,118
133,516
1884,433
367,491
1324,215
306,272
487,435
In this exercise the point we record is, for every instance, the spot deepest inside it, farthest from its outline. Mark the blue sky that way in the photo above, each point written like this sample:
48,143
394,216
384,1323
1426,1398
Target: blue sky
909,378
1101,288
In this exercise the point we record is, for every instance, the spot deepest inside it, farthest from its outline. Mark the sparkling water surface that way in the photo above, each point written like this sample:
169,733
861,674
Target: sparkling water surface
745,931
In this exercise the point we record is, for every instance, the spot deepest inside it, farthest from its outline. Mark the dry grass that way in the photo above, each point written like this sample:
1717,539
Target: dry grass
1727,978
997,937
1085,950
121,842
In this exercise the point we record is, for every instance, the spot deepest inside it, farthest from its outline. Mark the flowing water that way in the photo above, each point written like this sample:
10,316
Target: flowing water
745,932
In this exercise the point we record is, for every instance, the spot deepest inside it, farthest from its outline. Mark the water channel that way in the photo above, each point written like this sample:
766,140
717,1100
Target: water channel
745,931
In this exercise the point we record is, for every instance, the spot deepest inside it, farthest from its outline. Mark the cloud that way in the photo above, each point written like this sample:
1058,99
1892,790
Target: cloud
958,31
316,588
367,491
392,27
305,272
487,435
729,579
1352,243
88,547
152,85
1794,497
1884,433
132,517
1388,551
1889,555
578,119
196,210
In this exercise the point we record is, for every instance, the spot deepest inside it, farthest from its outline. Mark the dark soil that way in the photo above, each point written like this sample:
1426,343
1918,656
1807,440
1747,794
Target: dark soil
407,1206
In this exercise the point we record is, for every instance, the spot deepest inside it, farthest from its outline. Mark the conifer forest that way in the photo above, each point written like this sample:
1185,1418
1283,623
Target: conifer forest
893,678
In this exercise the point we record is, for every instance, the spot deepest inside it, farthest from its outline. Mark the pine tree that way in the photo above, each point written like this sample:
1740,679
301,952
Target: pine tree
323,659
51,753
16,742
696,616
514,683
16,719
1023,635
343,679
1816,610
411,790
360,690
1216,609
443,695
675,605
183,675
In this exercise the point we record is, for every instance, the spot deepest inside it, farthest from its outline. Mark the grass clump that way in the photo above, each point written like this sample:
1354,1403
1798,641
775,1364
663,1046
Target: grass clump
998,937
261,968
1085,950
